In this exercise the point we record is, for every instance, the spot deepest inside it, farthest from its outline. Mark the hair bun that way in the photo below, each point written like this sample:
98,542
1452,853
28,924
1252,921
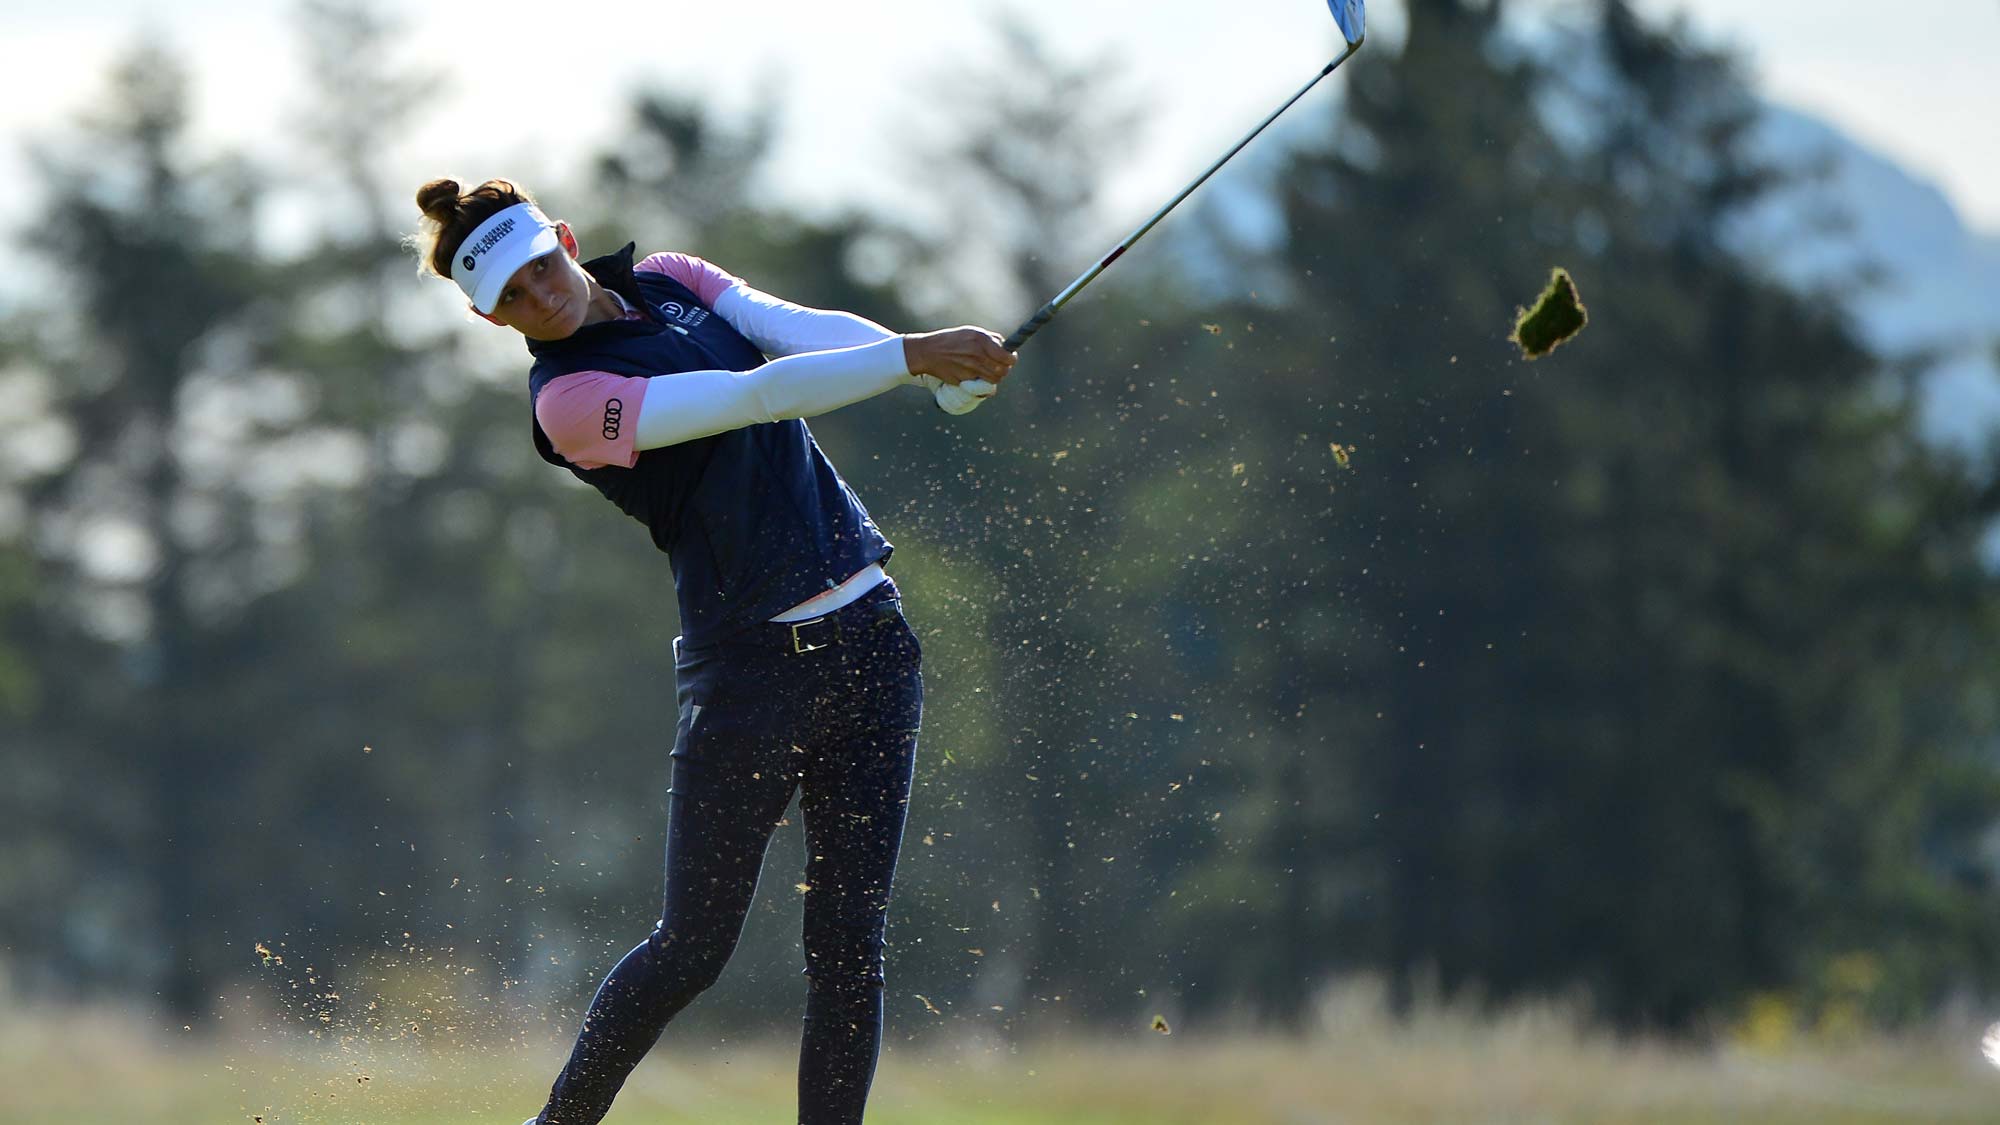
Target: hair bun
450,215
438,200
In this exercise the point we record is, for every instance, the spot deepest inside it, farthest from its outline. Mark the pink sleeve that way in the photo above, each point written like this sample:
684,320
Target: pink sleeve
707,281
592,417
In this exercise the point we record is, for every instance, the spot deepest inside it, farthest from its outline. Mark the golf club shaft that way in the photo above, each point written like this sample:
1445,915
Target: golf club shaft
1048,312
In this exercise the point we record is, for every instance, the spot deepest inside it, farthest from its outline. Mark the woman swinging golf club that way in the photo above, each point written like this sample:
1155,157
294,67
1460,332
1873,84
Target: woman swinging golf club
795,668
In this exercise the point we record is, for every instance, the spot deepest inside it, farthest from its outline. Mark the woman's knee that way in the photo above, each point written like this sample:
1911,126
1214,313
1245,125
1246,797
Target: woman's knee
692,963
844,984
852,969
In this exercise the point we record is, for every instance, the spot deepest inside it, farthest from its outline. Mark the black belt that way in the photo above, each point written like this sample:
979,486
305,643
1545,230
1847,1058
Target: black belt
801,638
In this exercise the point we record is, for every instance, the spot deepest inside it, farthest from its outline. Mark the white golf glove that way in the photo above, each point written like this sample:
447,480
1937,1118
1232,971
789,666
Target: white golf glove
958,398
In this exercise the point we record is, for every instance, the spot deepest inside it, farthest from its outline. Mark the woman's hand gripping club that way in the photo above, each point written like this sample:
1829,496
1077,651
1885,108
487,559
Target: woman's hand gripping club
961,367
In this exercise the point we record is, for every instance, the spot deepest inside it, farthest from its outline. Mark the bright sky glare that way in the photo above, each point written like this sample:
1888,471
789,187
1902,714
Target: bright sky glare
859,83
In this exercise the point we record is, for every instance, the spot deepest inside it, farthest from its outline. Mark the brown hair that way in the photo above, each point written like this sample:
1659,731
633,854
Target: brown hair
450,216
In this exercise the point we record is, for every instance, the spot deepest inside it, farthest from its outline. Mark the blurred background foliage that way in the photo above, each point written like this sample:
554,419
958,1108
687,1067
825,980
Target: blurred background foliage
1658,673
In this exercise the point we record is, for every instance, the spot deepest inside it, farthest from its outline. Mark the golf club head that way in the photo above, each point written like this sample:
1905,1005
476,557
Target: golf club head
1352,16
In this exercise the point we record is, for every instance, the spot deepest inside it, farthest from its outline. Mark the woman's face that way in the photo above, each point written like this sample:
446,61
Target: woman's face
547,298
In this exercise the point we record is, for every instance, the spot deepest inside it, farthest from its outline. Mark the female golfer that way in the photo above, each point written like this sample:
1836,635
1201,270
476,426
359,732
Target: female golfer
795,667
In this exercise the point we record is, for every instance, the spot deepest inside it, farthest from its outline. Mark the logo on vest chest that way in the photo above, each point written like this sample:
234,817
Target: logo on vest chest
684,315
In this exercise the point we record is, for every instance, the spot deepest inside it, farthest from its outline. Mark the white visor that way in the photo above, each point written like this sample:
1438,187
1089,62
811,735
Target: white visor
501,245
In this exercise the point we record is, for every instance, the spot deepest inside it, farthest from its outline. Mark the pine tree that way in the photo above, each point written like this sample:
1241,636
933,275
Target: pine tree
153,543
1594,707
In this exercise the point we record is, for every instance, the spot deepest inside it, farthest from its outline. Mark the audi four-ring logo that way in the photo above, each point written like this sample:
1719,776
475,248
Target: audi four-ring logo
613,410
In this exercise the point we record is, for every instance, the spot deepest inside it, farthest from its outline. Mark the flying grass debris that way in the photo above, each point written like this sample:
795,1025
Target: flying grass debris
1160,1025
1558,315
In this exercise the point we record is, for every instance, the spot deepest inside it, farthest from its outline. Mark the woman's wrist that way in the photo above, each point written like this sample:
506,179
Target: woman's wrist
955,355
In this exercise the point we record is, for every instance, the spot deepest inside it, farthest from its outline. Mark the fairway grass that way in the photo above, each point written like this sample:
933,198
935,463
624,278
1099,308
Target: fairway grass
76,1070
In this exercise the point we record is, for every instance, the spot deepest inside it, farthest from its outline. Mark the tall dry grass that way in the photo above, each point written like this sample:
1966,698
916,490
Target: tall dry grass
1443,1063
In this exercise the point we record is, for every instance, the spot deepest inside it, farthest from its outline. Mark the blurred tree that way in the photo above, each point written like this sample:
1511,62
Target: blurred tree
682,179
150,542
678,172
1630,678
1019,165
41,860
1658,668
486,706
418,609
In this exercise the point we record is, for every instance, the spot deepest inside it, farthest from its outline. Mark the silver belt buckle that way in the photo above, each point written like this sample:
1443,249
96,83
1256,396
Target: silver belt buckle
799,644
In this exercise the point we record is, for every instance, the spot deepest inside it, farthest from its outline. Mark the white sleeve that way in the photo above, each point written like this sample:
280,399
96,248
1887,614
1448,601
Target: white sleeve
695,404
779,328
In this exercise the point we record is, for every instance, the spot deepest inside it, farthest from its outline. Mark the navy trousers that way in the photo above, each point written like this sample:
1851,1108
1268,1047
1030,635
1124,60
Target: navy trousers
829,709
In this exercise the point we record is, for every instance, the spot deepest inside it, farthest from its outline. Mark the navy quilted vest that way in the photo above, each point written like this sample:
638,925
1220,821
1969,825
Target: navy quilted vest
753,521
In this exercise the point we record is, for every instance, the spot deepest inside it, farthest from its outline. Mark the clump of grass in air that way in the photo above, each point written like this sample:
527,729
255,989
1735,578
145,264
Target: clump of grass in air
1558,315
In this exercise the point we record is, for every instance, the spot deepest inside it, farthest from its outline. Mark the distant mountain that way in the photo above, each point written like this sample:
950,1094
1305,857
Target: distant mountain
1938,282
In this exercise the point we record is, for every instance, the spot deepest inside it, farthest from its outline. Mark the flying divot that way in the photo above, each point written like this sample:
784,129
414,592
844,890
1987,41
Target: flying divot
1558,314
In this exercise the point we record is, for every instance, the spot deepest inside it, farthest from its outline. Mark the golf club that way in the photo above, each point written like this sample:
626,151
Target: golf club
1351,17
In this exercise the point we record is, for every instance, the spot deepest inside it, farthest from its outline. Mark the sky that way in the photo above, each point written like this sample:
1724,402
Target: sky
862,86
